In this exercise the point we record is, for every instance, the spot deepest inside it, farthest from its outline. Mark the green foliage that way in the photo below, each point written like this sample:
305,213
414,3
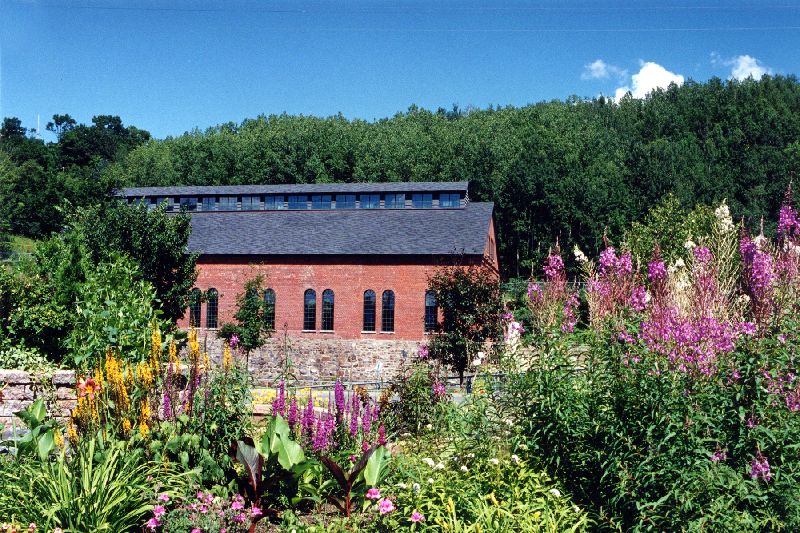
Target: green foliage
669,226
115,309
417,407
22,358
471,303
31,321
647,448
103,486
252,326
154,240
202,440
40,438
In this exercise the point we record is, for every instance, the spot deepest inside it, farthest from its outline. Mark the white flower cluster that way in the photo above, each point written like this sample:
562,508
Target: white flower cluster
723,216
580,257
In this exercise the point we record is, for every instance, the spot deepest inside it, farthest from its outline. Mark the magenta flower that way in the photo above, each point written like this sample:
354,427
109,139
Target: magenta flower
422,351
234,341
385,506
163,497
339,396
416,516
374,494
197,530
158,511
255,512
759,467
153,523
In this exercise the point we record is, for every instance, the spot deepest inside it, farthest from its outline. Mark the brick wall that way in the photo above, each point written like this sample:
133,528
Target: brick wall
347,276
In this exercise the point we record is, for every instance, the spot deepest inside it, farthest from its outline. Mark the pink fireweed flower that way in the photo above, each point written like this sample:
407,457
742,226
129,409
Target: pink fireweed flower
422,351
292,417
656,271
638,300
702,254
719,455
534,292
240,518
747,328
416,516
381,435
439,390
385,506
338,392
373,494
759,467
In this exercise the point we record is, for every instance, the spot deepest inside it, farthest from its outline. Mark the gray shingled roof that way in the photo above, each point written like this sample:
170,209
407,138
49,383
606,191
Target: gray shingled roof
310,188
343,232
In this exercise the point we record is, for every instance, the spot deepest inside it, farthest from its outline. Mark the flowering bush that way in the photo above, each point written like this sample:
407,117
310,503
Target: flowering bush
683,414
202,512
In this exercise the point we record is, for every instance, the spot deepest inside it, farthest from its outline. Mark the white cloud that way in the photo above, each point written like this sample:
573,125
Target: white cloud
650,76
599,69
745,66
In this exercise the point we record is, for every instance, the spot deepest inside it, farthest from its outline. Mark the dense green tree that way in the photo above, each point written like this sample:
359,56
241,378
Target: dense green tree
154,240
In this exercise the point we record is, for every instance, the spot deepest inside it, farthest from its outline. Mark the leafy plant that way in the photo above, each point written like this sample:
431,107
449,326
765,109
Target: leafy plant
369,469
40,439
252,326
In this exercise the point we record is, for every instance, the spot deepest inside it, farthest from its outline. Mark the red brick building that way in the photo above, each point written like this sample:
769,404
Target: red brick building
341,261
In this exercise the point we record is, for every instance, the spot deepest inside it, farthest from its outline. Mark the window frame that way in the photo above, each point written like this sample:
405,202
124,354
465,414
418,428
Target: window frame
370,199
451,200
420,200
369,309
318,201
310,310
388,303
195,308
224,203
398,200
431,312
328,310
296,204
212,303
269,308
208,203
342,201
251,203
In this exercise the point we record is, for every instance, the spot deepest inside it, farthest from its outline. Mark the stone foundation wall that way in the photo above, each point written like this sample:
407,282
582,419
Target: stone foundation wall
19,389
314,359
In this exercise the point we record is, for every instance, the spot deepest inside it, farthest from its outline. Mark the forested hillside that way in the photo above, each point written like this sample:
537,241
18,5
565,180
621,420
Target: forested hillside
568,169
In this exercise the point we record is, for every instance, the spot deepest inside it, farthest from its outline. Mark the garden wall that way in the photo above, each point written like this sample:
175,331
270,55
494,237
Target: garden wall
315,359
18,389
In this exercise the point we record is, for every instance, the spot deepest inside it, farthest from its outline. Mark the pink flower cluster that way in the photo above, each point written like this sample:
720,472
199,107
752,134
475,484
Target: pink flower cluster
759,467
232,515
355,417
615,286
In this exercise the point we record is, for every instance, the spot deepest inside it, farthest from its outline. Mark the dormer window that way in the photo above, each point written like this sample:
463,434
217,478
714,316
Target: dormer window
321,201
422,201
370,201
345,201
251,203
227,203
298,201
273,201
449,200
209,203
395,201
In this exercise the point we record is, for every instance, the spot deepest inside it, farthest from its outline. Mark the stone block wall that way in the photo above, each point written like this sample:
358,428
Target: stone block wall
322,359
19,389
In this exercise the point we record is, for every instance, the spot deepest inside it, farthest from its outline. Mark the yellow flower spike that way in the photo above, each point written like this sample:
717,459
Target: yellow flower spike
126,426
227,359
58,438
72,434
206,362
143,429
155,346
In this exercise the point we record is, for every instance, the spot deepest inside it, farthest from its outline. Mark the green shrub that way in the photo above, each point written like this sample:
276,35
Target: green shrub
103,486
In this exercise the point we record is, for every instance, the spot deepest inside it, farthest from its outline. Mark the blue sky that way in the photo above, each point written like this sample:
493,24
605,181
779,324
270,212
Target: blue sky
171,66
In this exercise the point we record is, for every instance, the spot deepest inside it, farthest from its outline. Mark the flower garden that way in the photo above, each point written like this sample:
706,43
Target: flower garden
657,393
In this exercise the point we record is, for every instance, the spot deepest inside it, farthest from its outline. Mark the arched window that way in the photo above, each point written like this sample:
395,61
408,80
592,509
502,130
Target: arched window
369,310
431,312
310,310
194,307
269,308
387,311
327,310
212,300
